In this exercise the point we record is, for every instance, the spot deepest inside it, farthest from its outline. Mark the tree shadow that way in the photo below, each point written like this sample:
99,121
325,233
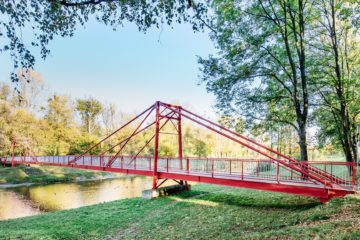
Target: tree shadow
266,201
258,200
192,193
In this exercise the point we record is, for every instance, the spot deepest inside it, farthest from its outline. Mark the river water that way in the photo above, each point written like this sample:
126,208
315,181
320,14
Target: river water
33,200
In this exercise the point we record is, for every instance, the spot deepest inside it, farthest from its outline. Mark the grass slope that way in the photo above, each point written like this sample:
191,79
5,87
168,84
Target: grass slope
44,174
206,212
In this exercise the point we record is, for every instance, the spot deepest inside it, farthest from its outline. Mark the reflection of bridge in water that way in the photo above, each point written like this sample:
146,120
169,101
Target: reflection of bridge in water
274,172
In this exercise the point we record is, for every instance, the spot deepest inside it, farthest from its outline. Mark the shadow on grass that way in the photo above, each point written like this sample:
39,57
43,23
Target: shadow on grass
192,193
32,170
254,199
266,201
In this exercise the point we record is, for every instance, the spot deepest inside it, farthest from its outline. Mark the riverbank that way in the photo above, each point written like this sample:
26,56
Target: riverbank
23,175
206,212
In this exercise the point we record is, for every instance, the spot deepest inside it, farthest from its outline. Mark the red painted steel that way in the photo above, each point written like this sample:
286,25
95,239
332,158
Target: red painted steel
122,127
13,153
111,161
156,150
277,172
277,182
317,171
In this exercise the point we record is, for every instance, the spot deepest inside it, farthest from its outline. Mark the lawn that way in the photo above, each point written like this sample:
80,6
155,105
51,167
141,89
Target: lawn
46,174
205,212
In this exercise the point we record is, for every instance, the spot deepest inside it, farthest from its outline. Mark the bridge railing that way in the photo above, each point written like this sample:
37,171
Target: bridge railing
244,169
234,168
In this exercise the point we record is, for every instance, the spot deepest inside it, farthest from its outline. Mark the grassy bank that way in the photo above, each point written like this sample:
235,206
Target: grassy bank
45,174
206,212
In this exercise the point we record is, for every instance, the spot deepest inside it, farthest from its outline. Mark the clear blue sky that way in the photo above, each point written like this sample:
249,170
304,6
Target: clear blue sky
127,67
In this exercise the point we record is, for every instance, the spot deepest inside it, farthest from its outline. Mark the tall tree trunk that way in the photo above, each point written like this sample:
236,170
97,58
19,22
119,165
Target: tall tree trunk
354,138
346,134
300,88
278,140
290,142
304,87
303,140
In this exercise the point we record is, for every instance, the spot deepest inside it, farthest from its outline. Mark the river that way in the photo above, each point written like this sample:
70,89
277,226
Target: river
33,200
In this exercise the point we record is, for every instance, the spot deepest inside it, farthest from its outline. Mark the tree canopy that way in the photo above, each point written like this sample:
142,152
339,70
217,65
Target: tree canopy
282,66
279,61
28,25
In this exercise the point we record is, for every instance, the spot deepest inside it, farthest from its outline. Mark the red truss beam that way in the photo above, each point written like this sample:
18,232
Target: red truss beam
132,135
292,166
112,134
315,170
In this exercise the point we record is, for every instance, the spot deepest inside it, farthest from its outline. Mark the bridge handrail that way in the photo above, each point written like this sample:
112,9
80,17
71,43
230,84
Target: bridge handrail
64,159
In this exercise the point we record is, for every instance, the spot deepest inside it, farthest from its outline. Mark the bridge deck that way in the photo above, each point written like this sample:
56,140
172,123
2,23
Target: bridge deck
262,174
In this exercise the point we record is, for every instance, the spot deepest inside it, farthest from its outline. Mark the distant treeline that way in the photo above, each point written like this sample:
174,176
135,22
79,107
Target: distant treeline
53,124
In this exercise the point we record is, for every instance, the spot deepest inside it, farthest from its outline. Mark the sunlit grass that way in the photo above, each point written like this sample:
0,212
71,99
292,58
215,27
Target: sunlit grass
194,201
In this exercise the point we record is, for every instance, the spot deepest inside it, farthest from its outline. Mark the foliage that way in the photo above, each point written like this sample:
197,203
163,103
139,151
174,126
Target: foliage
207,211
261,70
201,149
59,115
30,88
89,110
232,123
57,132
41,21
281,62
278,63
44,174
337,48
83,143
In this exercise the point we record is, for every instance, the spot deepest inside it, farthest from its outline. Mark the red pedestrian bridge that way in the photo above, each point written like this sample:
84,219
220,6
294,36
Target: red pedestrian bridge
269,170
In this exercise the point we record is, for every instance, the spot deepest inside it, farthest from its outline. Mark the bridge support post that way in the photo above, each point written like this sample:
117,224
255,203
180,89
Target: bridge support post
156,149
180,139
181,147
13,154
164,191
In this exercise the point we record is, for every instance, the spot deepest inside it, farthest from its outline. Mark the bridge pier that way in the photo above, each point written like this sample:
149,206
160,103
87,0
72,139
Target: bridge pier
164,191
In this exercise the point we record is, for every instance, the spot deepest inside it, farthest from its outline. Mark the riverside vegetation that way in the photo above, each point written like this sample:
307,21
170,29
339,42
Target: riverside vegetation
47,174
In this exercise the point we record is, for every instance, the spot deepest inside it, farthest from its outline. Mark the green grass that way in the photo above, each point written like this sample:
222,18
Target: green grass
205,212
45,174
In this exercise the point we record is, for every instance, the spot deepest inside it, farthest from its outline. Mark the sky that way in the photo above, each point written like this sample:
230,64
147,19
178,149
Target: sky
127,67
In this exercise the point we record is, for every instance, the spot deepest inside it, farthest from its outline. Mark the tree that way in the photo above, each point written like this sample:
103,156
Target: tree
232,123
89,109
337,47
262,70
5,92
279,136
59,112
109,118
30,89
83,143
30,133
60,118
201,149
44,20
5,119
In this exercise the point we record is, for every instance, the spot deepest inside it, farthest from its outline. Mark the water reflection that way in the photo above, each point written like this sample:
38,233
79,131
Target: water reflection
14,205
27,201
